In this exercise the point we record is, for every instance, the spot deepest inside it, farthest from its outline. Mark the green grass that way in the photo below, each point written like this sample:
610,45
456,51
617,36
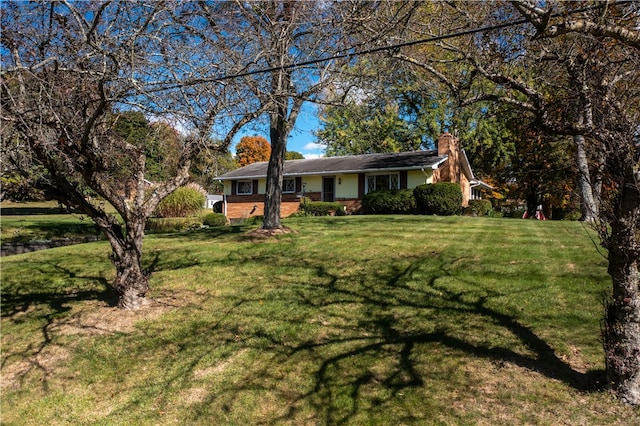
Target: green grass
24,222
350,320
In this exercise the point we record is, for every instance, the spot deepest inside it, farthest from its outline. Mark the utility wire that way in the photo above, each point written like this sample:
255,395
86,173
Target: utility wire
373,50
411,43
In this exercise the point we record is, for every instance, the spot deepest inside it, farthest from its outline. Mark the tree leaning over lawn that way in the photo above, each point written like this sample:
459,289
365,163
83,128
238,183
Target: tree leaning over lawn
69,71
591,93
607,89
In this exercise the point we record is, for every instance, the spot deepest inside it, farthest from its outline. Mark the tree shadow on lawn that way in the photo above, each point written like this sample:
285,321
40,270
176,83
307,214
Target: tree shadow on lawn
345,361
48,305
203,234
18,299
370,313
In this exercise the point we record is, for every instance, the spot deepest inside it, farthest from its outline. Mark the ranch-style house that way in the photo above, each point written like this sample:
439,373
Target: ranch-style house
347,179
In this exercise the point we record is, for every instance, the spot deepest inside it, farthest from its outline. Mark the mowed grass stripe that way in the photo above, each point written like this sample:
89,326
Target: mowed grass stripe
349,320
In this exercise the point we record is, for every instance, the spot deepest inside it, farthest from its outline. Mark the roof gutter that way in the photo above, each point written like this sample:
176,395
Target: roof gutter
439,163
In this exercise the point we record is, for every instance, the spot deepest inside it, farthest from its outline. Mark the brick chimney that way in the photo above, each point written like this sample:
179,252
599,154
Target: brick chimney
448,145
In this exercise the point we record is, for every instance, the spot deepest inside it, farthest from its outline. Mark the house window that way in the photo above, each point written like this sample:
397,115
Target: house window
382,182
245,187
288,185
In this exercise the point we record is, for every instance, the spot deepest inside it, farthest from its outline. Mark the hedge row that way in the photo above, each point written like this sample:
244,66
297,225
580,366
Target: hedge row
399,201
479,208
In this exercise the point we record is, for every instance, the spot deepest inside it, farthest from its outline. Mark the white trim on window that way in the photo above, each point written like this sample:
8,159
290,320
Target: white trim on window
288,185
244,187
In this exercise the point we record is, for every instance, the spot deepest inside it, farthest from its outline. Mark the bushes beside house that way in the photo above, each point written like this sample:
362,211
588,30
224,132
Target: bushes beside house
321,208
479,208
399,201
214,219
443,198
160,225
179,211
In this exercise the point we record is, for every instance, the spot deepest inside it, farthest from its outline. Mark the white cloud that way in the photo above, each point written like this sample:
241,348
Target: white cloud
311,146
312,156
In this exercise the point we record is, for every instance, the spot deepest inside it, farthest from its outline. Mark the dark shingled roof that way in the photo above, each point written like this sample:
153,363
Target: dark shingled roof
414,160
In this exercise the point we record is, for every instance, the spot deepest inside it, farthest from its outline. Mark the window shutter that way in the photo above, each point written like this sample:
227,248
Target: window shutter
361,180
255,186
298,184
234,187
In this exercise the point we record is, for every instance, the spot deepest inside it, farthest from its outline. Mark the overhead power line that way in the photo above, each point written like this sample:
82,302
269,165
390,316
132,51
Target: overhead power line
410,43
373,50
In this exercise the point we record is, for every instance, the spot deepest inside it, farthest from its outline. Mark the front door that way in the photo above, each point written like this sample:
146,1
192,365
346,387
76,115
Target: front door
328,189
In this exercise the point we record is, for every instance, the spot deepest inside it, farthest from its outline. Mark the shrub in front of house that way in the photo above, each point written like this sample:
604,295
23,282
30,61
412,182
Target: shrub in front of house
173,224
399,201
443,198
479,208
214,219
322,208
183,202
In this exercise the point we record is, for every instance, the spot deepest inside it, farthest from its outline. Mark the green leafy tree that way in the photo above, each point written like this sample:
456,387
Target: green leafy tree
404,113
293,155
208,165
159,141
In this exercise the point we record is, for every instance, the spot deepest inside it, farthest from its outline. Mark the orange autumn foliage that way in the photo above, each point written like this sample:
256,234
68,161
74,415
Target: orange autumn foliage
252,149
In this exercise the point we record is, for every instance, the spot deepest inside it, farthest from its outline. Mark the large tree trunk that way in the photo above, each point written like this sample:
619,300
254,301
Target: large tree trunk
621,328
131,283
532,200
588,202
273,195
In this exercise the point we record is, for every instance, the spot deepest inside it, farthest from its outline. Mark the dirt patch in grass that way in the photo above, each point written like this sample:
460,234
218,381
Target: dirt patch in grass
89,318
263,234
94,319
208,372
43,362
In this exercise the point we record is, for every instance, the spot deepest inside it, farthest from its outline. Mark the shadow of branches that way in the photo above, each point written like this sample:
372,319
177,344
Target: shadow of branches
324,339
35,301
355,331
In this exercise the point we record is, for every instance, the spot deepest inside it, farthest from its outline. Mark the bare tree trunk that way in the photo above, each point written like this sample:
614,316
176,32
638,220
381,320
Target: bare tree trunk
132,282
274,175
588,203
621,328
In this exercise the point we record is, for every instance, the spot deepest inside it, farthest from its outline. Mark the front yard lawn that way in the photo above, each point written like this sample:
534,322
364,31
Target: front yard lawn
349,320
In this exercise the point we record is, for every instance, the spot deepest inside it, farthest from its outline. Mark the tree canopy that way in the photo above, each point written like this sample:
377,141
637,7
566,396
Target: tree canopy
252,149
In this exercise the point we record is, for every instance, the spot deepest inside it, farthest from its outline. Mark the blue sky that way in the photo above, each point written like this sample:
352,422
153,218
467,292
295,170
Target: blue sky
301,138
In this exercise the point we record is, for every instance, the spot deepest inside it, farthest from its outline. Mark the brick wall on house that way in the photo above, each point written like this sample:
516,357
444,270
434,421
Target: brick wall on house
450,170
246,206
242,207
